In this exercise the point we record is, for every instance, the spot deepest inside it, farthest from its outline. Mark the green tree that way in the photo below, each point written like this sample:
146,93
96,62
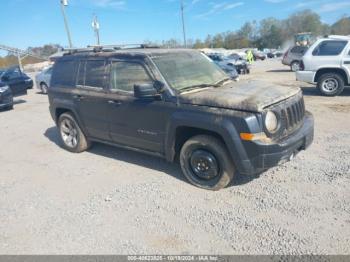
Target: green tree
341,27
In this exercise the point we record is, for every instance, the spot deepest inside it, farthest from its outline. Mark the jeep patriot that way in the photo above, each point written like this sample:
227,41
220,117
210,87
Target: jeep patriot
179,105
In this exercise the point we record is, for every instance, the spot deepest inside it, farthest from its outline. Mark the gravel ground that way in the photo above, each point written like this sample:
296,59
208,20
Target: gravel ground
112,201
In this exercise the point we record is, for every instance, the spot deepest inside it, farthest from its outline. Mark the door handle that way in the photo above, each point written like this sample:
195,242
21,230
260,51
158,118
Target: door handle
114,102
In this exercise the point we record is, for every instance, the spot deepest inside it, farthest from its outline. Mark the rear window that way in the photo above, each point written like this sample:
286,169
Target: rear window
298,50
329,48
63,74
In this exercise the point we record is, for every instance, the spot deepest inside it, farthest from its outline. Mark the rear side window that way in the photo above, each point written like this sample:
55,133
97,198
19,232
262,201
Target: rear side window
95,72
63,74
124,75
329,48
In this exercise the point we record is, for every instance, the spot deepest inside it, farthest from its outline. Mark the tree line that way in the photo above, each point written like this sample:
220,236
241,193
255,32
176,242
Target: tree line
268,33
274,33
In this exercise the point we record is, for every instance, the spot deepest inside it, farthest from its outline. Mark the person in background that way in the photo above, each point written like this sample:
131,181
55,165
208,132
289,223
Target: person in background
250,57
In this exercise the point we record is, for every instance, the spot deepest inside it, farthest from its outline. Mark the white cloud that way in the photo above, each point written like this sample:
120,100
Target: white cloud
220,7
331,7
117,4
275,1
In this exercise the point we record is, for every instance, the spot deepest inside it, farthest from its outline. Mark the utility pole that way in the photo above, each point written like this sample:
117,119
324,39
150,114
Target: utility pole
183,23
64,3
96,27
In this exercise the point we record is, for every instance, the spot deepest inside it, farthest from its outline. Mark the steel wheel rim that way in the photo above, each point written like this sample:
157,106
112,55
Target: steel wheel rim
330,84
69,133
204,165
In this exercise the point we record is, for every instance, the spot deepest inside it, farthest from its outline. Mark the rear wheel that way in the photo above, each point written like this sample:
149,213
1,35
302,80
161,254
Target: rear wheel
206,163
43,88
73,139
331,84
295,66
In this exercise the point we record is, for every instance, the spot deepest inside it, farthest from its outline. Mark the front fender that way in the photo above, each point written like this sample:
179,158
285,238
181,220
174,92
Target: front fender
218,124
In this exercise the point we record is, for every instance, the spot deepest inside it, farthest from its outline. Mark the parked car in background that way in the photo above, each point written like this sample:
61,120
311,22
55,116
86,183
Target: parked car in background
293,57
234,60
240,63
228,67
258,55
13,82
177,104
275,54
327,64
43,79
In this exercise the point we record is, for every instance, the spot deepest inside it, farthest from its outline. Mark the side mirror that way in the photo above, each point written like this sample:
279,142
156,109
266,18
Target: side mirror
145,91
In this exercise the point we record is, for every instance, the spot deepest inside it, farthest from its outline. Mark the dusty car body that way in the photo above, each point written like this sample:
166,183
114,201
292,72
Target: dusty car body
178,105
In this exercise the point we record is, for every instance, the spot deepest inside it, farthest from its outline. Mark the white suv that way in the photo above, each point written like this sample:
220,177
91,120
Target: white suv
327,64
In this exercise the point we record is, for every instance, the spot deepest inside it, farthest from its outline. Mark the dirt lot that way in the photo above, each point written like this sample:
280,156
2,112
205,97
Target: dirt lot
112,201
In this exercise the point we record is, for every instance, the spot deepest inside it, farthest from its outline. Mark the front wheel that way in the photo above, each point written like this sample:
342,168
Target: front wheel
206,163
73,139
331,84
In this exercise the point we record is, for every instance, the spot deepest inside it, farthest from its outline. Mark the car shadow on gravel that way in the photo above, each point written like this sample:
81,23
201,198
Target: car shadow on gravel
312,91
141,159
279,71
124,155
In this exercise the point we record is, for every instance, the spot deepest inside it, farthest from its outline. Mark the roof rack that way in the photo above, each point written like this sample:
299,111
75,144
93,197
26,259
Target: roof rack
339,37
106,48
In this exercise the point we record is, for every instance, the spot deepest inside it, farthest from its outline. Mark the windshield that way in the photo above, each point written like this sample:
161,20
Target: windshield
183,70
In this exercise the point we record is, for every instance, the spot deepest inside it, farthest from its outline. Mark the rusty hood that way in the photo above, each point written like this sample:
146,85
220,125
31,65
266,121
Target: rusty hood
252,96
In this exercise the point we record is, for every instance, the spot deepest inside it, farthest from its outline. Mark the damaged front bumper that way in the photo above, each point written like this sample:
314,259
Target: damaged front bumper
273,154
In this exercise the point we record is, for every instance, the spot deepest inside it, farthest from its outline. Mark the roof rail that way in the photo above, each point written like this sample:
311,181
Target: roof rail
340,37
106,48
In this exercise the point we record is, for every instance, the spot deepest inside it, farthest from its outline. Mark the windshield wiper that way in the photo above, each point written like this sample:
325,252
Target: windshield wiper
196,87
221,82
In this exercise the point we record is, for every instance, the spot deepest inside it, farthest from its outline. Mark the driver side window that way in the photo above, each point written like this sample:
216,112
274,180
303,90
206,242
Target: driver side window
124,75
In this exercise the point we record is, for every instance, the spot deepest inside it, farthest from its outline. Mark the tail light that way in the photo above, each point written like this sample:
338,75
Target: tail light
301,66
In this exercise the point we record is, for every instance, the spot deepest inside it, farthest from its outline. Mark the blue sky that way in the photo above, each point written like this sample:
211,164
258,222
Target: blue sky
36,22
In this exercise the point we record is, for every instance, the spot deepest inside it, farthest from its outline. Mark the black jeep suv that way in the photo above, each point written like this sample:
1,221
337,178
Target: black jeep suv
177,104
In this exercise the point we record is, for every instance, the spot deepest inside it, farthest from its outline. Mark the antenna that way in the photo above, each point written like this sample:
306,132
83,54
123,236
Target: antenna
96,26
183,22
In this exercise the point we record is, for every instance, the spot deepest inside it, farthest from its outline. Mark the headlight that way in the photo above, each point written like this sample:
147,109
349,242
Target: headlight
271,122
4,88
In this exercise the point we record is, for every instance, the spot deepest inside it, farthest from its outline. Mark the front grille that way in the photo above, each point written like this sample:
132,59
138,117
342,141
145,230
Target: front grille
291,114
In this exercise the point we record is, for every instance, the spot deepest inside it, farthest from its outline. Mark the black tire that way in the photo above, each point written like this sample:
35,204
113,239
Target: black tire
334,79
295,66
212,147
82,143
43,88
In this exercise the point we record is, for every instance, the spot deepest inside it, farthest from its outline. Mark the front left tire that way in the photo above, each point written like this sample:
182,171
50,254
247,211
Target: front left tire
206,163
331,84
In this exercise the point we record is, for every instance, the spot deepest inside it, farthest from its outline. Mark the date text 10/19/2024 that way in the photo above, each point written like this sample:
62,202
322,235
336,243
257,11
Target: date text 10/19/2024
172,258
